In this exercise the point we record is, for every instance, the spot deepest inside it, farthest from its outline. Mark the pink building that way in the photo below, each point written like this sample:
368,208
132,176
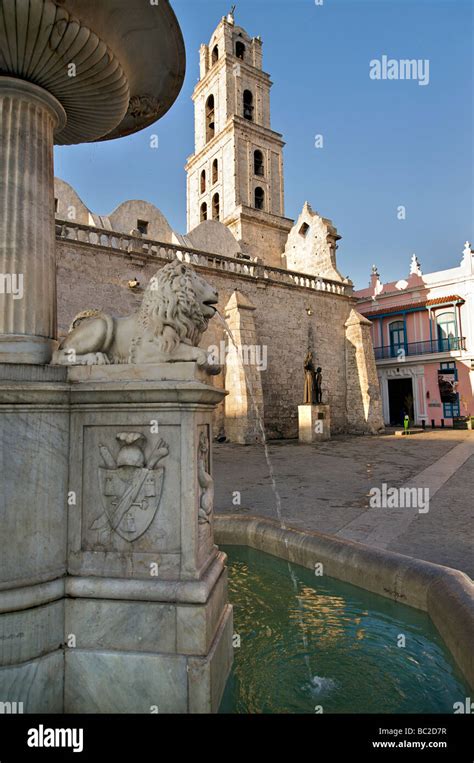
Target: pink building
423,335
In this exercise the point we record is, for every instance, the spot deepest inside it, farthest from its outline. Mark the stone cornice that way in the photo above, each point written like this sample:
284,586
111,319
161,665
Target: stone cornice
260,217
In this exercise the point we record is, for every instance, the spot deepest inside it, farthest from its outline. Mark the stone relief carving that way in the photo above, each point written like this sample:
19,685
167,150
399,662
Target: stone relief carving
206,483
143,106
175,312
130,487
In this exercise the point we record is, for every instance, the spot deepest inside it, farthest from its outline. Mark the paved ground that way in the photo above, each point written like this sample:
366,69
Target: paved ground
326,487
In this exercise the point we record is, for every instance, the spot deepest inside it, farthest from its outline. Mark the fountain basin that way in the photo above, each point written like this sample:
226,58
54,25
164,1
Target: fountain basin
443,597
316,645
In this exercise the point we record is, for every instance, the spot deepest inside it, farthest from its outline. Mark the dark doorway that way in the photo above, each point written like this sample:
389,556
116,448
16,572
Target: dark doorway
400,398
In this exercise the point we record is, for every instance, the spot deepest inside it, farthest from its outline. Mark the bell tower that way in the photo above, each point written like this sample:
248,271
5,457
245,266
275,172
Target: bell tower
236,172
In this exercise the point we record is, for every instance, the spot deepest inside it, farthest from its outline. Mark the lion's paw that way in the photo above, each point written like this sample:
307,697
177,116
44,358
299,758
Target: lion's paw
201,357
101,359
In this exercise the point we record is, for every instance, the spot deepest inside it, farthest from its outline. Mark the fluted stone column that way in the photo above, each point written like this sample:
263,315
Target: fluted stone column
29,116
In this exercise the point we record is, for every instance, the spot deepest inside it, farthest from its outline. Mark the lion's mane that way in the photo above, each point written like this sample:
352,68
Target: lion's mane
170,300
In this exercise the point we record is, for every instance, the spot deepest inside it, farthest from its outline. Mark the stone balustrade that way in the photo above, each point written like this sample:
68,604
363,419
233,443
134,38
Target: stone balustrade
133,245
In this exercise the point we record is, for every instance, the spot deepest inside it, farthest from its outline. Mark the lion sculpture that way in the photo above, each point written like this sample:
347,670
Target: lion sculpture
174,314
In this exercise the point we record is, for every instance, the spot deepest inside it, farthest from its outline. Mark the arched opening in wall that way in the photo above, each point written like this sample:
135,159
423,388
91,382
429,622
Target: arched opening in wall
216,212
215,171
240,50
258,165
210,119
259,198
203,181
215,54
142,226
248,105
203,212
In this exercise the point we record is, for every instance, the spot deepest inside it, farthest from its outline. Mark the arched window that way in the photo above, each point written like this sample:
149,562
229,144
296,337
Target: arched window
203,181
447,331
248,105
215,54
397,337
215,171
240,50
258,166
216,207
210,119
259,198
203,212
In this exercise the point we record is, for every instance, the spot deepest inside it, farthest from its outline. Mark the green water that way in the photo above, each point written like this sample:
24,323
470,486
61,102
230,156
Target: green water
308,641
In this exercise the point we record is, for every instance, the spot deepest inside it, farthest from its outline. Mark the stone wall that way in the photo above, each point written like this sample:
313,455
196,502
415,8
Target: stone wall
94,276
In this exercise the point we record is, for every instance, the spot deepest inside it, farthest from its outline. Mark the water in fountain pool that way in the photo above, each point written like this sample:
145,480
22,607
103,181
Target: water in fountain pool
344,636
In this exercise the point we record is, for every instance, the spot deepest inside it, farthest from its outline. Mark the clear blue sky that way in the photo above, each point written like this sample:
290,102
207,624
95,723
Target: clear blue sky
386,143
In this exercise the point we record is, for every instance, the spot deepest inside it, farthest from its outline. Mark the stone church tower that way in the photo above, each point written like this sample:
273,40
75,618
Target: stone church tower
236,173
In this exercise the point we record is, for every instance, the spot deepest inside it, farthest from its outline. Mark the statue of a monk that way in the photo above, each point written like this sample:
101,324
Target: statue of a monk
310,391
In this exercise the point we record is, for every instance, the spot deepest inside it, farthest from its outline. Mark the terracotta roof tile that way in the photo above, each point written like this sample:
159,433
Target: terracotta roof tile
411,305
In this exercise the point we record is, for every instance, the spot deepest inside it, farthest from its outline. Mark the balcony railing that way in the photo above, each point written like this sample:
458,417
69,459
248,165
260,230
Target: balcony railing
448,344
147,248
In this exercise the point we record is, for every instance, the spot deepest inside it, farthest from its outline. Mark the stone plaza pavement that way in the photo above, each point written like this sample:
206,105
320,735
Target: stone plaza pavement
325,487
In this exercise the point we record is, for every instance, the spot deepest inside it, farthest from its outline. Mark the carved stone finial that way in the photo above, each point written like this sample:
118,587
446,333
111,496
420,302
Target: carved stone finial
415,268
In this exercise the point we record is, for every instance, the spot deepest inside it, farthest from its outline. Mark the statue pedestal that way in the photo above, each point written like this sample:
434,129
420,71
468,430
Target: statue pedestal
142,611
148,586
314,423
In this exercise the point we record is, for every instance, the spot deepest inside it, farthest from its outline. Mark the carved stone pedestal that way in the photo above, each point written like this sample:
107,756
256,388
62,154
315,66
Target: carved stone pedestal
314,423
142,612
148,611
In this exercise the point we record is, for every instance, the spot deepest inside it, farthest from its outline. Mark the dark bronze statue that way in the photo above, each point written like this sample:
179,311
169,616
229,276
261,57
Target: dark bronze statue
312,381
319,390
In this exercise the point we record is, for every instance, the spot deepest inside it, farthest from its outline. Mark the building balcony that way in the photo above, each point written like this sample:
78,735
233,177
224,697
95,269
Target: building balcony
429,347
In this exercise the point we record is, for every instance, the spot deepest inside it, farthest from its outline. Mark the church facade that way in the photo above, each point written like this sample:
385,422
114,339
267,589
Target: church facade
279,286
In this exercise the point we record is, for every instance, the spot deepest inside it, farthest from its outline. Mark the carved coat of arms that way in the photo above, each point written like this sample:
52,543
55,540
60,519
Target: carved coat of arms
130,487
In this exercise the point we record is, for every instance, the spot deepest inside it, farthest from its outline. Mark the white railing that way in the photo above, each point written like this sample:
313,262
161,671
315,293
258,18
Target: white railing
133,245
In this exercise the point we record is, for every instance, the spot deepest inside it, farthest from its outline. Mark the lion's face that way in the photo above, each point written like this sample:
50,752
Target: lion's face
178,298
206,295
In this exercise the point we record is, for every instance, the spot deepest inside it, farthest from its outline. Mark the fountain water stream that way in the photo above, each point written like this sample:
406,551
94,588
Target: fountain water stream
315,682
